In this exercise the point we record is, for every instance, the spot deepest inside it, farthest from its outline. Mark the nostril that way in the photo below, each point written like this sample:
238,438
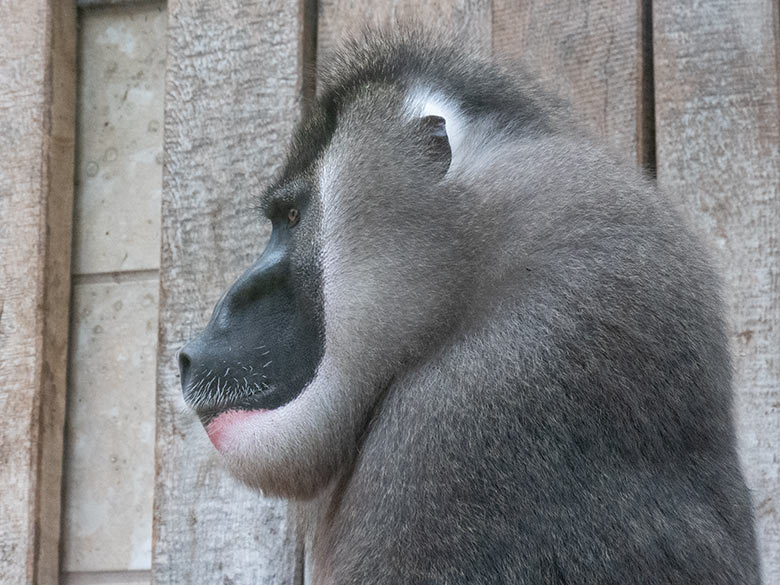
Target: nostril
184,365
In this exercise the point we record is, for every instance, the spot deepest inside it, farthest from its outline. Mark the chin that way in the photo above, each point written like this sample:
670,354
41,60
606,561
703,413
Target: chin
292,451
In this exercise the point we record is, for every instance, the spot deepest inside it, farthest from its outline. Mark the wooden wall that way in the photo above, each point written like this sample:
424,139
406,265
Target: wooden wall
37,110
718,149
690,90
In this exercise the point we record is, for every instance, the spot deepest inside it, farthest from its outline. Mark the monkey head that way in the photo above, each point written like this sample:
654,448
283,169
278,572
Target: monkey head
362,271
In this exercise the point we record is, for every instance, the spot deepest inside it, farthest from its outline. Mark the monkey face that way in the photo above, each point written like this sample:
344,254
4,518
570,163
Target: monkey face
264,342
265,337
300,348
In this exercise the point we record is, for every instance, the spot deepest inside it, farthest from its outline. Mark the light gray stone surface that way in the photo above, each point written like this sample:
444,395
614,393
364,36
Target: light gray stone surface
109,459
109,475
119,151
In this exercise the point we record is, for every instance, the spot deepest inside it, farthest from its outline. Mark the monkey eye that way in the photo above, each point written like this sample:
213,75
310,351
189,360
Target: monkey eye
293,215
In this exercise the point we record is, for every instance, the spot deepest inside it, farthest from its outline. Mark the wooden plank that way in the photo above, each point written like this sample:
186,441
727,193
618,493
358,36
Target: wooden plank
37,105
469,20
718,135
592,54
233,92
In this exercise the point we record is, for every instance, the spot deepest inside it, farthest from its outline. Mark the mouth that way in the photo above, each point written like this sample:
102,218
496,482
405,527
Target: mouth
217,411
251,403
221,400
223,418
220,427
210,414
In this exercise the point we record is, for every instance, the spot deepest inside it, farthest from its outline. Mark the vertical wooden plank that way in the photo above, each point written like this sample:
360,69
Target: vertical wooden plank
37,104
469,20
591,53
718,134
232,95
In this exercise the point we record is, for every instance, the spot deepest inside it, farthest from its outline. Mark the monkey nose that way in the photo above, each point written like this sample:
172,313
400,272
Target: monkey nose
185,365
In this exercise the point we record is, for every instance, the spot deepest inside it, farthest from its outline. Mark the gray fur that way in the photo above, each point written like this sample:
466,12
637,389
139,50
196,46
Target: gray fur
526,377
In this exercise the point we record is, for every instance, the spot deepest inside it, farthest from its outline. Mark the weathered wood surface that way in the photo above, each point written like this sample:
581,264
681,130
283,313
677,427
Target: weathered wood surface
232,96
718,136
592,54
468,20
37,105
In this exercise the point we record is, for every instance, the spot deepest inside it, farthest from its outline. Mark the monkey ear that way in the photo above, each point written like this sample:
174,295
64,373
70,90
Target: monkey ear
436,143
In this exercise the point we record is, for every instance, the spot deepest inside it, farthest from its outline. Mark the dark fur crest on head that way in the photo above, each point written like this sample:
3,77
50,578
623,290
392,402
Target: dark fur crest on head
400,57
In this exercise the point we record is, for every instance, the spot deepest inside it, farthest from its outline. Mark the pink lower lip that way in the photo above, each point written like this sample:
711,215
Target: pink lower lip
219,429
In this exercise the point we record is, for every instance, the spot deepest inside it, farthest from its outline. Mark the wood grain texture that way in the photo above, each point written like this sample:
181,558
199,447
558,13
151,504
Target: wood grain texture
718,133
232,95
590,53
37,105
467,20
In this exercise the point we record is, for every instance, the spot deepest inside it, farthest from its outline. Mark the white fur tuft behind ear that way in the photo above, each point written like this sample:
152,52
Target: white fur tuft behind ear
422,102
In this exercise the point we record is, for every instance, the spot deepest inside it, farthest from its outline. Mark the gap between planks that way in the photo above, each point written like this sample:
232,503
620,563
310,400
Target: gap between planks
101,3
107,578
116,277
